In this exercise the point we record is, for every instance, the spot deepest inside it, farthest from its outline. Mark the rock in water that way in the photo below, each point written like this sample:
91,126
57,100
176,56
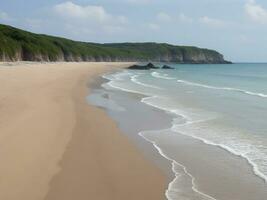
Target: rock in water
138,67
167,67
151,66
143,67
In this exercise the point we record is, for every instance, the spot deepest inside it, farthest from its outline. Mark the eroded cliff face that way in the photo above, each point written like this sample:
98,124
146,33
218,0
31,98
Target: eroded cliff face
202,57
5,58
194,58
177,58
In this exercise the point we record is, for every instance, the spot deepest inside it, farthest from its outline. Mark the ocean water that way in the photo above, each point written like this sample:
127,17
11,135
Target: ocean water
221,105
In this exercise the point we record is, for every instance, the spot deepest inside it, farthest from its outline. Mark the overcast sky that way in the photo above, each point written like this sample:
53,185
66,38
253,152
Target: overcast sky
236,28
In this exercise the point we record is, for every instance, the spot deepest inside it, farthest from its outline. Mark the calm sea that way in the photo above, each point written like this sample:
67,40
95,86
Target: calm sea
221,105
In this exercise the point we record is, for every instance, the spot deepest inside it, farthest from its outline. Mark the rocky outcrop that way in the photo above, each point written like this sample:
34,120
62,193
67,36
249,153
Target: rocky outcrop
149,66
167,67
143,67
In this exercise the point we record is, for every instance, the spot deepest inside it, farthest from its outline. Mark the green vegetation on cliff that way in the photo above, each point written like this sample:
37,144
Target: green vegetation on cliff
16,44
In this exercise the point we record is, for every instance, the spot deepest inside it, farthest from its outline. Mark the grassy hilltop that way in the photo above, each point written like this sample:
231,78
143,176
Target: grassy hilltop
17,44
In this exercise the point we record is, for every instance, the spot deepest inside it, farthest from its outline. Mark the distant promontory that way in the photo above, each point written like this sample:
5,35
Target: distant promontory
19,45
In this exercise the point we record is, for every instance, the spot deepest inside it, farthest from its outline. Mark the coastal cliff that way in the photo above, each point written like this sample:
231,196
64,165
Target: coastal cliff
19,45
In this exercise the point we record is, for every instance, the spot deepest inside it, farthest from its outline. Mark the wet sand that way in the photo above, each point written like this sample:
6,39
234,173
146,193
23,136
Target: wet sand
216,172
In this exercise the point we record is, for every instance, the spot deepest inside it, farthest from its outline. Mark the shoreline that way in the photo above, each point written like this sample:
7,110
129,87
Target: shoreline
237,168
63,150
146,147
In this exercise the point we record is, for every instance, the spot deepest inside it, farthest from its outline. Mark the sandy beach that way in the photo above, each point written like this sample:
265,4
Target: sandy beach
54,146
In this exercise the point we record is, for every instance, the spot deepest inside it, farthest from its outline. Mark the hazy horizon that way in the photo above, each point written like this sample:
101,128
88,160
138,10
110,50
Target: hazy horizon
237,29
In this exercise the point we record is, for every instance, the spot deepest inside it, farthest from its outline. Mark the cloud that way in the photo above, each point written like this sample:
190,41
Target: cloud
88,18
213,22
163,17
89,13
154,27
256,12
73,11
185,19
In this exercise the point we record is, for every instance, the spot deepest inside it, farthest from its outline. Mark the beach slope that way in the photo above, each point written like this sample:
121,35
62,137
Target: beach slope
54,146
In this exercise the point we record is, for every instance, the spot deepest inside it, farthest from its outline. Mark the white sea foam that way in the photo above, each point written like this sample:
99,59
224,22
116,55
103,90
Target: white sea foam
171,188
117,77
162,76
189,119
222,88
112,85
238,152
135,80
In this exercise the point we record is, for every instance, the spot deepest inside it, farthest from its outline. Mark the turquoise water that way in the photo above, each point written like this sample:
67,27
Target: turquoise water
222,105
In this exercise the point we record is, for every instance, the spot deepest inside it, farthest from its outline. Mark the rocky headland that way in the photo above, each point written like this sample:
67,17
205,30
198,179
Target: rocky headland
20,45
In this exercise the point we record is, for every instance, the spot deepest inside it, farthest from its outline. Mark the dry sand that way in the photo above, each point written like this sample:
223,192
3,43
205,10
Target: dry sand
54,146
